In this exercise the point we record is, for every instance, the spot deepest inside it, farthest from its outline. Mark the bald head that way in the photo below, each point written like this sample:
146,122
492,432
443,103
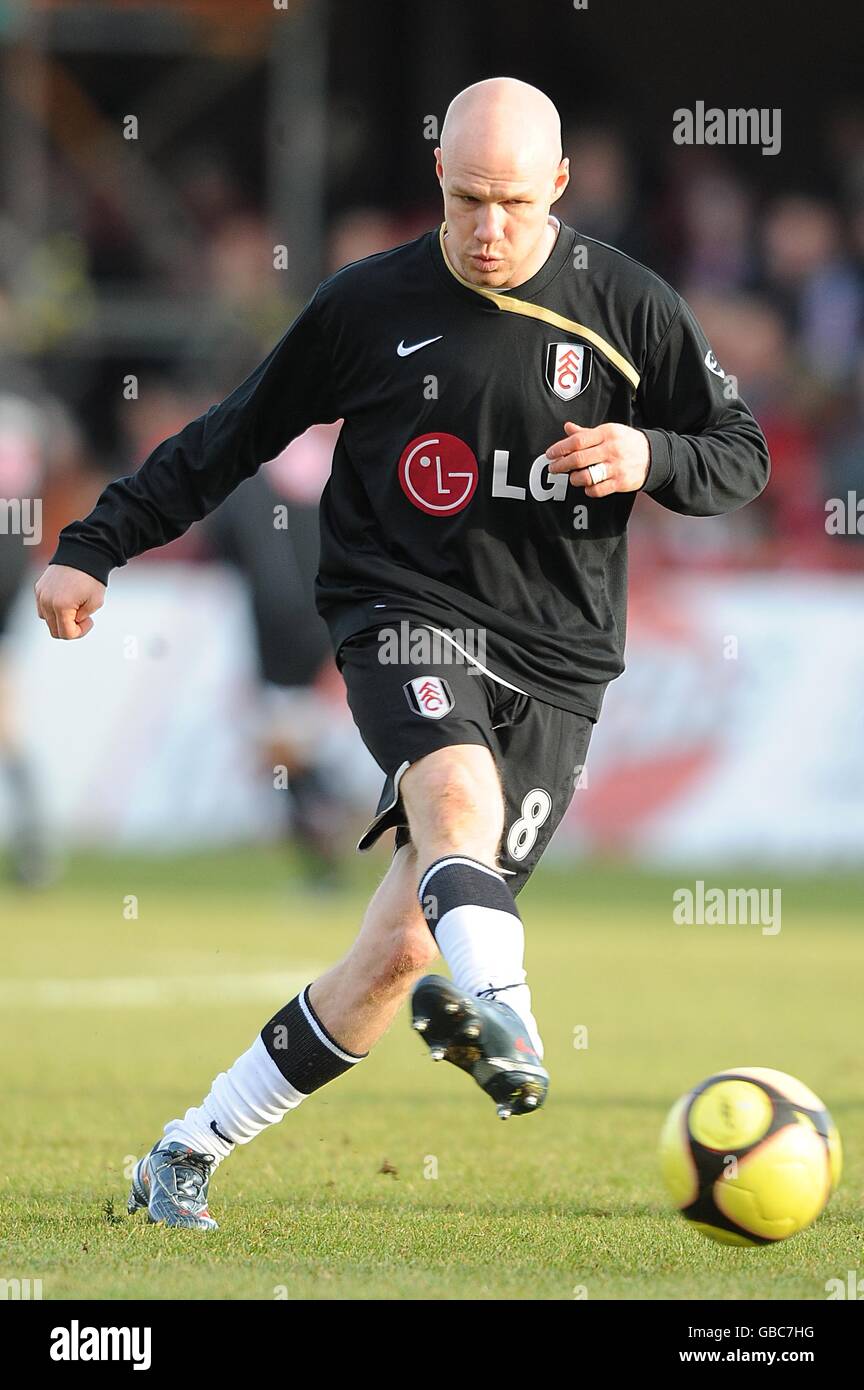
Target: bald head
502,120
500,169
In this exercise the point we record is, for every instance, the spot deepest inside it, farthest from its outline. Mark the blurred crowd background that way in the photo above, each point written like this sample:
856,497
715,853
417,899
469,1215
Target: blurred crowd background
141,278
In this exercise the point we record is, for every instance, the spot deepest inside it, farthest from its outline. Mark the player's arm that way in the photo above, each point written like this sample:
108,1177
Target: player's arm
187,476
708,455
698,449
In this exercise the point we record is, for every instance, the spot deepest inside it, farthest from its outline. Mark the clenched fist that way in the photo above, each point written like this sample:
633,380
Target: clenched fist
610,458
65,598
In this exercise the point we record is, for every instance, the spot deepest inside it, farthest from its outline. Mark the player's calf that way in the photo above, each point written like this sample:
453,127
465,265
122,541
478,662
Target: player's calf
359,997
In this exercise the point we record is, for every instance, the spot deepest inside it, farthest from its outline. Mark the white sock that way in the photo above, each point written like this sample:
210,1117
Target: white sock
256,1091
479,933
242,1101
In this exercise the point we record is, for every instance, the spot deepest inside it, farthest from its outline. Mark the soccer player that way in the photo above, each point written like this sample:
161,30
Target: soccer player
507,388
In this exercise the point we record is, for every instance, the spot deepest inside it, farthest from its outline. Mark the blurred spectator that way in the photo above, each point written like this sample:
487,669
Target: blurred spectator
718,226
809,273
600,199
358,233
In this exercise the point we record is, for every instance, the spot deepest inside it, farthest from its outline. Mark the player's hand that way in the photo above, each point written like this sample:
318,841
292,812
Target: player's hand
65,598
623,453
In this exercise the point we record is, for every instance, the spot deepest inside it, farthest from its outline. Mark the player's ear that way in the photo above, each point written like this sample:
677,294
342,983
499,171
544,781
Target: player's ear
561,180
439,167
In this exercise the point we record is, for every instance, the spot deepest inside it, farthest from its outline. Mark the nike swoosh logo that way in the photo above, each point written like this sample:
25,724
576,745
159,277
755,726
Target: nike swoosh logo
403,351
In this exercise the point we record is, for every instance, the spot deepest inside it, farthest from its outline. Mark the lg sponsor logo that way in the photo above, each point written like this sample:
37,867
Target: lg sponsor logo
439,474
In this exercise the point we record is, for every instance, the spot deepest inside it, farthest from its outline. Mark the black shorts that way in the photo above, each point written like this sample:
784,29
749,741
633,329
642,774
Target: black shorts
405,710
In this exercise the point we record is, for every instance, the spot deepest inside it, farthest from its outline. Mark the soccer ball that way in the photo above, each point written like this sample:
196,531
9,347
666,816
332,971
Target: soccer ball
750,1156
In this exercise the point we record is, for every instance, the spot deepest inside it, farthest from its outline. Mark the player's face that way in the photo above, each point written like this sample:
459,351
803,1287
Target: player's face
498,224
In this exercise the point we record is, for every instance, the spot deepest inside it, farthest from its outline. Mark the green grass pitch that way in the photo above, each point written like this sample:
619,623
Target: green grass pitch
399,1182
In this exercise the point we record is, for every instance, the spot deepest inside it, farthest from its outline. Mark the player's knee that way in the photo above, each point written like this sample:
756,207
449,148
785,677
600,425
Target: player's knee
456,793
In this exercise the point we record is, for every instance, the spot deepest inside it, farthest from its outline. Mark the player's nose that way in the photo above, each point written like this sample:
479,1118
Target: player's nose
489,227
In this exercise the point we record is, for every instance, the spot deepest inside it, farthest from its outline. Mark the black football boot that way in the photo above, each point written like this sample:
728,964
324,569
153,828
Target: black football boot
483,1037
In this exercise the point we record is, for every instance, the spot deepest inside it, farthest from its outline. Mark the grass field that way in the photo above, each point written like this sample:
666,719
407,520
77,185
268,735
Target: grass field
111,1026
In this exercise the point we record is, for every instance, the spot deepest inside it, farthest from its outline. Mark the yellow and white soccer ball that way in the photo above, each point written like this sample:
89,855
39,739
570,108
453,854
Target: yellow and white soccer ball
750,1156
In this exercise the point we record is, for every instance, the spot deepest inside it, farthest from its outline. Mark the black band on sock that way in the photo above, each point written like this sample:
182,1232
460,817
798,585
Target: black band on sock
457,881
303,1050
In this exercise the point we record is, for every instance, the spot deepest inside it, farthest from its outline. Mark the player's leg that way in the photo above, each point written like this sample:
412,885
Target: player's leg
318,1036
482,1019
471,909
430,723
455,805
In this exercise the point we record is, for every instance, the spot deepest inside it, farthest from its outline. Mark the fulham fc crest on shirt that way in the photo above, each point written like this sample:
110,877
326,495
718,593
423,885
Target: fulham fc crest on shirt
568,369
429,696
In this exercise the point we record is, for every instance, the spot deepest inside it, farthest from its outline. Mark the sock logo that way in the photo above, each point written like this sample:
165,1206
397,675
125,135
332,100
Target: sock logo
430,696
219,1134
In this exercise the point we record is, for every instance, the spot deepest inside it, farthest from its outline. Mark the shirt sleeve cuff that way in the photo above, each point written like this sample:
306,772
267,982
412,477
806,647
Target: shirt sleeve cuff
80,556
660,469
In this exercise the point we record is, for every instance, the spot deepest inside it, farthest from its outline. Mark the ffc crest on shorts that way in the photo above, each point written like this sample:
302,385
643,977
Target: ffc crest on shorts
568,369
429,696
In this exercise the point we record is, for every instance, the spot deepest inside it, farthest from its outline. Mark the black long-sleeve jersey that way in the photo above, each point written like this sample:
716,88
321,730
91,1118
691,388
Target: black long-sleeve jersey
440,503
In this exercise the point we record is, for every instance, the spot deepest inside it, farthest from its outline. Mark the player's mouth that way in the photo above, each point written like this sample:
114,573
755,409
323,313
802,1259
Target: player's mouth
487,262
